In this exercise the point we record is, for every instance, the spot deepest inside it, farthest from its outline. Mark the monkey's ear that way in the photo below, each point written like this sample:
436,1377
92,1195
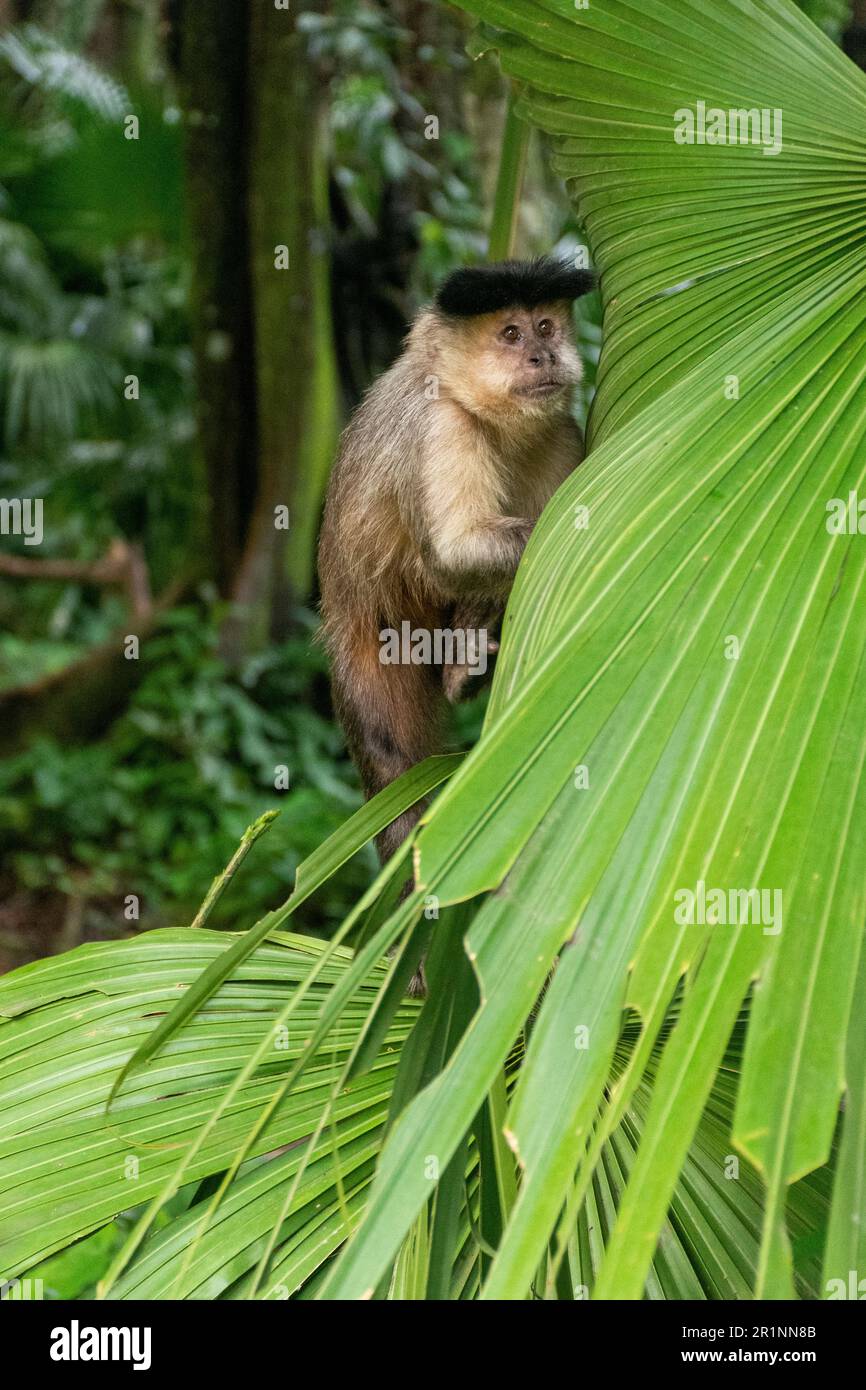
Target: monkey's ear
485,289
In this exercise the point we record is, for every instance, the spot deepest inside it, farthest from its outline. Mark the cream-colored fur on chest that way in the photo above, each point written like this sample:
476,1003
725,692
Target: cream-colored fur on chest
474,477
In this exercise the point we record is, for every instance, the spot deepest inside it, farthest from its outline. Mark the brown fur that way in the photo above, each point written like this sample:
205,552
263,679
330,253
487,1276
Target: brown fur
442,473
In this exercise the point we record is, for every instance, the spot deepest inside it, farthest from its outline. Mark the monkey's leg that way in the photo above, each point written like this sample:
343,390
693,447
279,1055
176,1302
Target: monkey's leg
391,715
476,639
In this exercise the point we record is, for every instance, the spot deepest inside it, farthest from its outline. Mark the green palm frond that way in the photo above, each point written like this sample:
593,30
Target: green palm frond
30,297
67,1032
48,388
68,1029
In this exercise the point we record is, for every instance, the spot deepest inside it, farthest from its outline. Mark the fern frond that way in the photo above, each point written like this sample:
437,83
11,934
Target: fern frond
46,65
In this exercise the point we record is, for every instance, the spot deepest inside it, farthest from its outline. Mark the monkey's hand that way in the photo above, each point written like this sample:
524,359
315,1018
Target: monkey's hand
475,630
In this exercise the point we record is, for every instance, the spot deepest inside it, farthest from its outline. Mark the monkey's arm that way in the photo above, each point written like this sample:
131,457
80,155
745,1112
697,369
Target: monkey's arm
479,556
469,546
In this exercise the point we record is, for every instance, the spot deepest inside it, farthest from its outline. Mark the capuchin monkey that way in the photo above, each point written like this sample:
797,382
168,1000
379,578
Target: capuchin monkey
442,473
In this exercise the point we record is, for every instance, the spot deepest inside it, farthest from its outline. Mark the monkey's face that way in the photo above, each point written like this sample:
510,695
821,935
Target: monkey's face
520,360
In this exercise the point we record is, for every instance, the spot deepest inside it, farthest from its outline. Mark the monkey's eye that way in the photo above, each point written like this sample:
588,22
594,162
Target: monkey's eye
512,333
546,327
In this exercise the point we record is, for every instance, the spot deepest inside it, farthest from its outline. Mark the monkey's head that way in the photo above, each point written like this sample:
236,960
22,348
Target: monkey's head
506,337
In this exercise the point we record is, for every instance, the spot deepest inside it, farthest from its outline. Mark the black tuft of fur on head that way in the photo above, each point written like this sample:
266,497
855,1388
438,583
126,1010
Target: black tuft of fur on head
485,289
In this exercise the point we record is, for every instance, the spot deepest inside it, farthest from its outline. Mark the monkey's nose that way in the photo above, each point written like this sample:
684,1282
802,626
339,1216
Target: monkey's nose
535,361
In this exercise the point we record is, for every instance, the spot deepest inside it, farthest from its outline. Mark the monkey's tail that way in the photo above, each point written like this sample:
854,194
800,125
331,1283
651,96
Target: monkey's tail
391,715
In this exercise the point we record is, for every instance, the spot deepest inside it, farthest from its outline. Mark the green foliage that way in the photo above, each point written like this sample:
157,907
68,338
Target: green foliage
156,807
596,1098
59,75
113,1001
187,1242
707,517
104,466
830,15
90,294
378,134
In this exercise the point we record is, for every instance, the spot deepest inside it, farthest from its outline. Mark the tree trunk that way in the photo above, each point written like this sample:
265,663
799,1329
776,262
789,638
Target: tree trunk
212,57
294,364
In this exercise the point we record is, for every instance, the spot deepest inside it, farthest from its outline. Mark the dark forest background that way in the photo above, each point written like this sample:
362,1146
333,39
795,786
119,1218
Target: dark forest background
216,221
191,303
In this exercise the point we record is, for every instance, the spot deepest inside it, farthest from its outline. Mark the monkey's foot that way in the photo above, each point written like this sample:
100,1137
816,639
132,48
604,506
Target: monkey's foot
456,683
461,681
